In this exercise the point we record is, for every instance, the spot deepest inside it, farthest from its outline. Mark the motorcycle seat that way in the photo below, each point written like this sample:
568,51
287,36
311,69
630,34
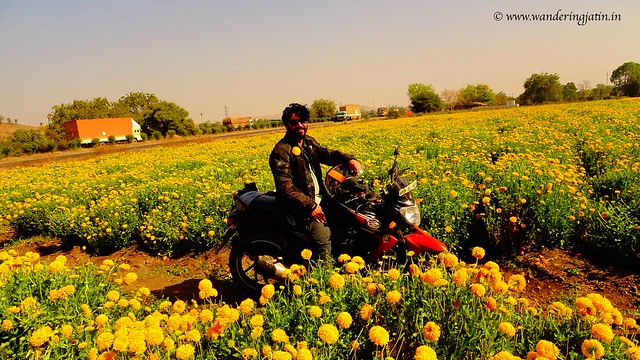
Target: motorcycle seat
265,205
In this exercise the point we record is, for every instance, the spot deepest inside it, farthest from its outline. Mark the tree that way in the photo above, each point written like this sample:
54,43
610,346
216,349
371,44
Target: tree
423,98
501,98
323,108
477,93
570,92
541,88
450,98
627,78
584,88
135,105
165,116
1,118
601,91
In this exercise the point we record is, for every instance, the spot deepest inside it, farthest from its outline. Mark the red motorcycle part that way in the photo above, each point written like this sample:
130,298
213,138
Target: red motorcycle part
419,241
385,243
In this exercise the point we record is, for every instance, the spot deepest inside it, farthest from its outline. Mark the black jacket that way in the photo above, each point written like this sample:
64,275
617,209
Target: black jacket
289,165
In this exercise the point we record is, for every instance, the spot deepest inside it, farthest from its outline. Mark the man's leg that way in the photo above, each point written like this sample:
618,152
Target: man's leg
321,236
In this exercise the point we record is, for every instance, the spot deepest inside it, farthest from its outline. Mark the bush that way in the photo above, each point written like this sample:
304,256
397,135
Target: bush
74,144
129,138
171,134
95,141
29,148
144,136
157,135
46,145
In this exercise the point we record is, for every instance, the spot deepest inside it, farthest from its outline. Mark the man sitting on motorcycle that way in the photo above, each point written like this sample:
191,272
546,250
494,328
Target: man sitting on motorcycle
295,163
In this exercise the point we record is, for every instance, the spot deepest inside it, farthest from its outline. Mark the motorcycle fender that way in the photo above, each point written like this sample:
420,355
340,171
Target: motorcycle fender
419,241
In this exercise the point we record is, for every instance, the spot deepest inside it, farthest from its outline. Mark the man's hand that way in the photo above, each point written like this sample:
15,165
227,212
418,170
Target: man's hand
355,167
318,215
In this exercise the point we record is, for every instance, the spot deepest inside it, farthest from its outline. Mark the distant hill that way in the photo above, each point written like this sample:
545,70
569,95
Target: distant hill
8,129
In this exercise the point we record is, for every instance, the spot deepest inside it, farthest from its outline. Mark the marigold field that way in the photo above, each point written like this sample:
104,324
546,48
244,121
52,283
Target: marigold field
495,182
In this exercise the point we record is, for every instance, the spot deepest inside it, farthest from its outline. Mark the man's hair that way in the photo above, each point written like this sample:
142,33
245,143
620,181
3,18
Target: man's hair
299,110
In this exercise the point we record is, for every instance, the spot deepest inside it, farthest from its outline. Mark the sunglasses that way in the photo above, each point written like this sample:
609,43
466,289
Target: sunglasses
296,122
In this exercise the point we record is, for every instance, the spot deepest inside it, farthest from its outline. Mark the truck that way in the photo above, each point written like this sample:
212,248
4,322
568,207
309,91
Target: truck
102,129
349,112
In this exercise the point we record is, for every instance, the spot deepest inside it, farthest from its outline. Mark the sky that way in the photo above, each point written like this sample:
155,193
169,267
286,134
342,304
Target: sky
254,57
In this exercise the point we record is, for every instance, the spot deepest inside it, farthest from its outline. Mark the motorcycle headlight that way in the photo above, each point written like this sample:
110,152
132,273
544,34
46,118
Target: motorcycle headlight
411,214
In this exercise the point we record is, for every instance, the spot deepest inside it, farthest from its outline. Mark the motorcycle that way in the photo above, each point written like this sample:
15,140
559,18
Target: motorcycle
264,240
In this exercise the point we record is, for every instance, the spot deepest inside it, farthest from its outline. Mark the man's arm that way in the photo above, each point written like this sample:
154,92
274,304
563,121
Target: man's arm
280,165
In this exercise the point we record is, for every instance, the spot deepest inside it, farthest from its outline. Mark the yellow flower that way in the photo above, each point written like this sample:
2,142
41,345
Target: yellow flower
185,351
547,349
193,336
205,284
113,295
344,320
328,333
379,335
477,252
256,320
315,311
449,260
344,258
431,276
86,310
394,274
486,200
366,311
517,282
336,281
507,328
41,336
7,324
504,355
306,254
279,354
297,289
130,278
513,219
351,267
249,353
179,306
602,332
424,352
279,335
592,349
296,151
431,331
478,290
247,306
268,291
101,320
104,340
144,291
460,277
393,296
154,336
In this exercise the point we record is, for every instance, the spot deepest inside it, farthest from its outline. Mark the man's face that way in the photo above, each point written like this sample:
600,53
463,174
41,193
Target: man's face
296,127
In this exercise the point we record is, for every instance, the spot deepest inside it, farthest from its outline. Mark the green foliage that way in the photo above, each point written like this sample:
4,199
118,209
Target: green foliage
129,138
627,78
477,93
111,139
570,92
541,88
323,108
164,116
95,141
423,98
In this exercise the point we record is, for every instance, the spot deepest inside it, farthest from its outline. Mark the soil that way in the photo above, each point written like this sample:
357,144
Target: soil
552,275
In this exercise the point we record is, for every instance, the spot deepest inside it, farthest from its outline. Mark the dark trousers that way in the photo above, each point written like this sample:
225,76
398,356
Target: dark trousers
320,236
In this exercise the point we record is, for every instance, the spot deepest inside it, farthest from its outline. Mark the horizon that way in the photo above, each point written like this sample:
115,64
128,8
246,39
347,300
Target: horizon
254,58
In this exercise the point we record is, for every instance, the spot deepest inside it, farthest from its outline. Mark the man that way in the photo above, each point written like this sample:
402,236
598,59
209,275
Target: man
295,163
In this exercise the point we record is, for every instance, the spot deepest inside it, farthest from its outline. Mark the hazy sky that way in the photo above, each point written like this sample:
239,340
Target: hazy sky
257,56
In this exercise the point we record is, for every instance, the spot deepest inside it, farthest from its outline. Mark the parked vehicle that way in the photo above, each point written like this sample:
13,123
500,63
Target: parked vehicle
351,111
363,223
88,129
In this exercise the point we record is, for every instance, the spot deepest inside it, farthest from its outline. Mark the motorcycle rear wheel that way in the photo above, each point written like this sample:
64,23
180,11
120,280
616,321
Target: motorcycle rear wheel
247,261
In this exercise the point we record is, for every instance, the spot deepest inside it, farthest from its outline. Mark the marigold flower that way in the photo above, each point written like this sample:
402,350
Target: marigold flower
366,311
315,311
105,340
154,336
306,254
86,310
279,335
477,252
179,306
101,320
344,320
547,349
517,282
113,295
66,330
328,333
491,303
168,343
7,324
379,335
478,290
297,289
268,291
372,289
592,349
281,355
256,332
130,278
431,276
343,258
193,336
393,296
41,336
143,292
185,351
425,352
304,354
351,267
449,260
249,353
503,355
257,320
602,332
394,274
431,331
336,281
507,328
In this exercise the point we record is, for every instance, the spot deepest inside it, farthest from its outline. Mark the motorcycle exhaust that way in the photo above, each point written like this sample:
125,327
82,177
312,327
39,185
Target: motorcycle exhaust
270,268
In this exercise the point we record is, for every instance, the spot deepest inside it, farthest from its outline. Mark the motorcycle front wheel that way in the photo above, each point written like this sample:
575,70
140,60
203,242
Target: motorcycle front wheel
252,262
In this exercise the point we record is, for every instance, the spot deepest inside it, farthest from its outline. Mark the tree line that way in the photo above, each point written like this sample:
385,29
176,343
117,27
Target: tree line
538,88
159,118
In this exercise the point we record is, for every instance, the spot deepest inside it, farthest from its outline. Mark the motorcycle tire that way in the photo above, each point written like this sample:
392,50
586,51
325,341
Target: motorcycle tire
246,257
